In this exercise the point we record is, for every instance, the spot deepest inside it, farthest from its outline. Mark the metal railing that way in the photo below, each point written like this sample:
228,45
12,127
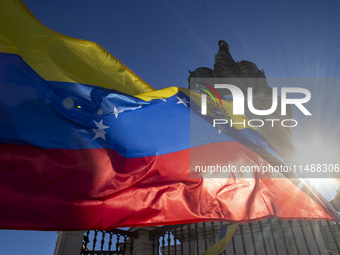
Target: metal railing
116,241
267,237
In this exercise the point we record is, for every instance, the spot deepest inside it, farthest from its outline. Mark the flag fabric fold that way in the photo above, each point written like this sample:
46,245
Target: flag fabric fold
86,144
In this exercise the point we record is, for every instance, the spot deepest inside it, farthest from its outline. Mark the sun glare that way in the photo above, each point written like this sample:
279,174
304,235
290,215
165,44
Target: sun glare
323,158
328,184
316,152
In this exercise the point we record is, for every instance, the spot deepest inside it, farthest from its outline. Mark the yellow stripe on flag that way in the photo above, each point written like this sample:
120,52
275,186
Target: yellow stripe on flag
56,57
221,245
159,94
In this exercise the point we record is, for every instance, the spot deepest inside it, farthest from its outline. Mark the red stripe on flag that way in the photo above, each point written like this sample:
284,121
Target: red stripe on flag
98,189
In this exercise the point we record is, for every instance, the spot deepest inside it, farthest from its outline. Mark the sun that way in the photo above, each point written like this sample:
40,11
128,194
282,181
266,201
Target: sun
316,152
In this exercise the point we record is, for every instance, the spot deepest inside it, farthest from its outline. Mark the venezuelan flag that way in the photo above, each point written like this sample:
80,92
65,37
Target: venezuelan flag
86,144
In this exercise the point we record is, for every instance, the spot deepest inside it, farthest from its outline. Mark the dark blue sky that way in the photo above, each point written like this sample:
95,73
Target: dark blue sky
162,40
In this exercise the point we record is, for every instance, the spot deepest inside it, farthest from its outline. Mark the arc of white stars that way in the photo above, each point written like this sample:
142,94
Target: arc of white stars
99,131
182,101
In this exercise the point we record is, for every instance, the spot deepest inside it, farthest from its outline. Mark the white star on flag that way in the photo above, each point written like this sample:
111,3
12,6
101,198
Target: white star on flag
182,101
219,131
116,112
164,99
99,132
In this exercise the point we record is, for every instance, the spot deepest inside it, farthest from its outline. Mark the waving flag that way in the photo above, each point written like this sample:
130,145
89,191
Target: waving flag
226,234
86,144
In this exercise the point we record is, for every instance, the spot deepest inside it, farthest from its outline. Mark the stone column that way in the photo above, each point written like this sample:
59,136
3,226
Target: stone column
69,243
142,245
